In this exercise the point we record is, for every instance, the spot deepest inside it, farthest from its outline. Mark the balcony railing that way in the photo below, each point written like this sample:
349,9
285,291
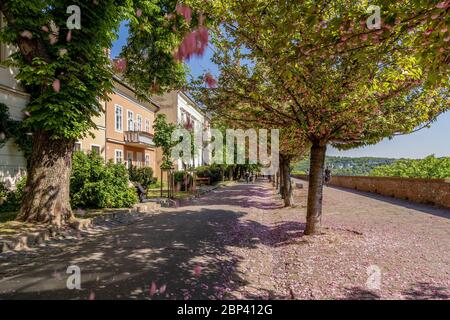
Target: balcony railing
139,138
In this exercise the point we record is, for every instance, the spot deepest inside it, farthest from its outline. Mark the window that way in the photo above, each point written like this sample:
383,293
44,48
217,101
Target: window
77,146
118,118
147,125
130,159
95,148
119,156
130,120
147,160
139,159
139,123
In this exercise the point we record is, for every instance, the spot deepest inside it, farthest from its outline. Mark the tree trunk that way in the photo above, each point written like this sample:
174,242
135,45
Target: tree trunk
47,192
287,194
315,189
277,179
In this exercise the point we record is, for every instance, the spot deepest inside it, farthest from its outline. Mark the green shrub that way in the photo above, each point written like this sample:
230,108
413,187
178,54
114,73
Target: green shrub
144,175
10,200
156,185
428,168
179,176
96,185
3,193
214,173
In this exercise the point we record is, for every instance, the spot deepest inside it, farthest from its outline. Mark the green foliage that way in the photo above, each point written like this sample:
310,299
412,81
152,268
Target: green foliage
428,168
156,185
347,166
10,200
15,130
213,172
143,175
163,139
96,185
67,73
316,67
179,176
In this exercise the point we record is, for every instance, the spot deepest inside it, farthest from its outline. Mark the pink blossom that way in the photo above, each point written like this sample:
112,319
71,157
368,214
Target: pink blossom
52,38
44,28
428,32
56,85
184,11
363,37
138,12
162,289
120,64
210,80
442,5
153,289
69,36
26,34
92,295
197,270
194,43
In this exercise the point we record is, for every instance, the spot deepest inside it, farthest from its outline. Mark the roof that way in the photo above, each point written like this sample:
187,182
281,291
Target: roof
131,88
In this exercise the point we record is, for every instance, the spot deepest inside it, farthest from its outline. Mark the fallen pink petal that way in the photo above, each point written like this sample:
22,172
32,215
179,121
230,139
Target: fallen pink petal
56,85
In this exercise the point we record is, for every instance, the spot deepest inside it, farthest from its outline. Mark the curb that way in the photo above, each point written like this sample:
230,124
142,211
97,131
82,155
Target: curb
25,241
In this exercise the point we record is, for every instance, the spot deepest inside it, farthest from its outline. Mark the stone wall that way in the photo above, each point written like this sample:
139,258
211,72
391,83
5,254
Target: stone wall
427,191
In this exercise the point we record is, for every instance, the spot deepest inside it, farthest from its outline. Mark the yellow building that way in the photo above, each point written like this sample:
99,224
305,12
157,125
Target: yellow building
124,131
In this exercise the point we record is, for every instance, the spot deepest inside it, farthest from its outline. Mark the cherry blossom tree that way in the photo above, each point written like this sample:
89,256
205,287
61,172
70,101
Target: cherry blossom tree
343,77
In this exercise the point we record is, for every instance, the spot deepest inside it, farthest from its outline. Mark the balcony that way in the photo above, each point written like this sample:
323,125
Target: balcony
139,139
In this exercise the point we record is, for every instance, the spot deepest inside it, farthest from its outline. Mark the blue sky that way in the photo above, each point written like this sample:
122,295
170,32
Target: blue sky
435,140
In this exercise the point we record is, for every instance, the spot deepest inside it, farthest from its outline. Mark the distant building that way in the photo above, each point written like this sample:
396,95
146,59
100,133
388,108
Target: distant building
181,109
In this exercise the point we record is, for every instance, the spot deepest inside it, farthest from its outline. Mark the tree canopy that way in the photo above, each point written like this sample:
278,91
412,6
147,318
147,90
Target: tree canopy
341,80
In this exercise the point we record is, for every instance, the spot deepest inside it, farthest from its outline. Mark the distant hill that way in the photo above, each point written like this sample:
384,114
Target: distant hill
347,166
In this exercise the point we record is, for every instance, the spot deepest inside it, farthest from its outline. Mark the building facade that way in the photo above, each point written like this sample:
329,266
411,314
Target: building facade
180,109
12,162
129,128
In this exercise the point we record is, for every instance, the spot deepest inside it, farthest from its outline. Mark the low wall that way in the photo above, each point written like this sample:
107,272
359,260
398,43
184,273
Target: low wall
427,191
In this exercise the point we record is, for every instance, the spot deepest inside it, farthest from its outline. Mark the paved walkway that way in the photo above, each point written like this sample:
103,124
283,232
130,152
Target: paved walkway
237,242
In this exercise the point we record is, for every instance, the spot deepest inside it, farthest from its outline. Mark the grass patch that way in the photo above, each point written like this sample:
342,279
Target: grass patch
7,216
92,213
156,193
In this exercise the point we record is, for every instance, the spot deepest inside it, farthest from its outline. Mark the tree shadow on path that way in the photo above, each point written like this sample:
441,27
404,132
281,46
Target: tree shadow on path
182,254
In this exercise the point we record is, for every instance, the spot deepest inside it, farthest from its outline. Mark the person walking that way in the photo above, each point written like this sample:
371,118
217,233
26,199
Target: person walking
247,176
327,176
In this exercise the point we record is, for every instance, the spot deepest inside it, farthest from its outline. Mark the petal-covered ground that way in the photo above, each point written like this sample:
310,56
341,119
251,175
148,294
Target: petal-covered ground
238,243
373,247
